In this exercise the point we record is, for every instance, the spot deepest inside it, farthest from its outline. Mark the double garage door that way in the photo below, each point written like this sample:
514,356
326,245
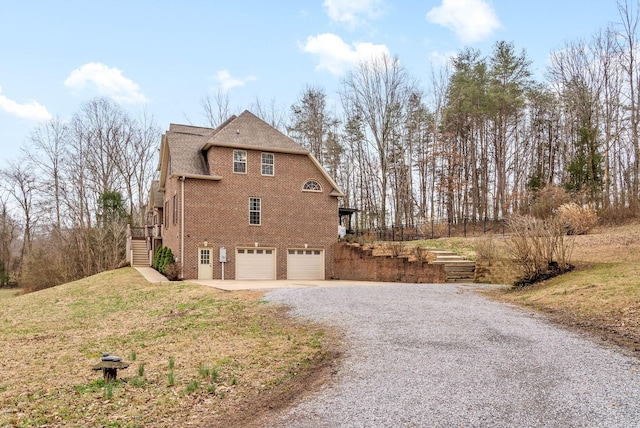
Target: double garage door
260,264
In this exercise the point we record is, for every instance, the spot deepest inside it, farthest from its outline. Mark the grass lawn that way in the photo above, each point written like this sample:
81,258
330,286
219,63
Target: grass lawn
196,354
602,295
7,293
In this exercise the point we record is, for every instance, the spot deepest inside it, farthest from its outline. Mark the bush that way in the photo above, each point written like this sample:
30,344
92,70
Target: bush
547,200
576,219
540,248
487,248
167,259
173,271
616,215
157,258
40,269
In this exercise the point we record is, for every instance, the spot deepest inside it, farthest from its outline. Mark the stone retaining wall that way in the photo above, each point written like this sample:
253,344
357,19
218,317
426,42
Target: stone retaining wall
496,272
358,263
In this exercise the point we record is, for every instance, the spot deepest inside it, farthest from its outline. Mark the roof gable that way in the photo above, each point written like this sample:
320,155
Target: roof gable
183,147
250,132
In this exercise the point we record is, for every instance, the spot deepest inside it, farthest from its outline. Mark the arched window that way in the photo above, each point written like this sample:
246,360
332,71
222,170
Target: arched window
312,186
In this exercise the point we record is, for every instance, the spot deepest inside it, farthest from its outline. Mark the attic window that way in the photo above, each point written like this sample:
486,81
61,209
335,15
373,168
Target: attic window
312,186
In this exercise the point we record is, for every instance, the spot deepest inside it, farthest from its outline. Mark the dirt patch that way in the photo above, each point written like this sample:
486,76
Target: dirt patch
261,410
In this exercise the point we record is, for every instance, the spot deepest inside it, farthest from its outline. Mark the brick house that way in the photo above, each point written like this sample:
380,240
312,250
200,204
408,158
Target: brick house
248,192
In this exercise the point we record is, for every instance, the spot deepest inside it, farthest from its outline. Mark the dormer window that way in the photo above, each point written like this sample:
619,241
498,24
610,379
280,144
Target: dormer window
312,186
240,161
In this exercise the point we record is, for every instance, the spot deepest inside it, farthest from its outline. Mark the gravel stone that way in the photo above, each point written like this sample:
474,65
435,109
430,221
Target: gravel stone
445,356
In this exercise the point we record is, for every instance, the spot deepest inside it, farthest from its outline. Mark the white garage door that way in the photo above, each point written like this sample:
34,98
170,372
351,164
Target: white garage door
255,263
305,264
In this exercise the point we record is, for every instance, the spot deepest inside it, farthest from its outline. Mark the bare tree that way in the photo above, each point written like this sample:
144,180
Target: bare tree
270,113
628,45
134,159
47,151
377,92
20,183
8,232
217,109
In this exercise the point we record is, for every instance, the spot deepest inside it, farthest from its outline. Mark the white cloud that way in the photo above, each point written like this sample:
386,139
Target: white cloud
441,59
336,56
352,12
471,20
30,111
108,81
226,81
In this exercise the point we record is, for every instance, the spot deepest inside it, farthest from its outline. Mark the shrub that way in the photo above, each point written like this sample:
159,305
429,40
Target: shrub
167,259
538,247
487,248
547,200
616,215
577,220
172,271
40,269
156,259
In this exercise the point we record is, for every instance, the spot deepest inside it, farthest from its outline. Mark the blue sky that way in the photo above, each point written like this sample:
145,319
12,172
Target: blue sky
165,56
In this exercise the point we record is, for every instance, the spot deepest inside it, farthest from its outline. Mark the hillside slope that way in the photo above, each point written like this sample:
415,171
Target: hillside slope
196,354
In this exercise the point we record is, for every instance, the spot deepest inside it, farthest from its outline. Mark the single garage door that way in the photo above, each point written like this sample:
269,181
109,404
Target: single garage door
305,264
255,263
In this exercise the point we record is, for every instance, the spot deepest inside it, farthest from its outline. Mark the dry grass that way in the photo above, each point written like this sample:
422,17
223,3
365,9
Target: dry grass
7,293
462,246
576,219
602,295
51,339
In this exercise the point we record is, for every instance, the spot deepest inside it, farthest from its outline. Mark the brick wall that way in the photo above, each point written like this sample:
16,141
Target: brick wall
171,231
218,211
352,262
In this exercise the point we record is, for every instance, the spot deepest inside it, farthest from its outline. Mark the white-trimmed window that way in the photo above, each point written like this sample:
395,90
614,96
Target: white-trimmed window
254,211
312,186
175,209
166,214
240,161
267,164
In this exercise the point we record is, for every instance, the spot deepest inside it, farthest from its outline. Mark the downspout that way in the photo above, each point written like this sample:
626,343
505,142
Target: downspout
182,229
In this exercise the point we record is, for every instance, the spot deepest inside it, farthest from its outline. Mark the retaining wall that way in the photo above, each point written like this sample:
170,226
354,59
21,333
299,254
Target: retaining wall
357,263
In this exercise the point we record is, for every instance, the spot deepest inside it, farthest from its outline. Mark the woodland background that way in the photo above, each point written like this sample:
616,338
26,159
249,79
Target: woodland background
481,139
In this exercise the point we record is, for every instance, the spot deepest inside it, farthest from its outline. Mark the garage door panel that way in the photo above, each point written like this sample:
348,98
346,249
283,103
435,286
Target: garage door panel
305,264
255,263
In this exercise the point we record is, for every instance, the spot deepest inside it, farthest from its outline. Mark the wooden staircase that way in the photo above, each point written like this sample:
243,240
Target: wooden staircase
140,253
457,268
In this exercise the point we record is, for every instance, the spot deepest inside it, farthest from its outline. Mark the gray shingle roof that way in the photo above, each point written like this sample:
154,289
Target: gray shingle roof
186,146
186,143
249,131
155,196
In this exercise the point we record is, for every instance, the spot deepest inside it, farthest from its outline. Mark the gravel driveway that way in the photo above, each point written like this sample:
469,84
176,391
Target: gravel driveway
444,356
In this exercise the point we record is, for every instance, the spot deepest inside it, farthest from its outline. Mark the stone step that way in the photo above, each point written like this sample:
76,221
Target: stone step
441,253
451,259
457,263
140,253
